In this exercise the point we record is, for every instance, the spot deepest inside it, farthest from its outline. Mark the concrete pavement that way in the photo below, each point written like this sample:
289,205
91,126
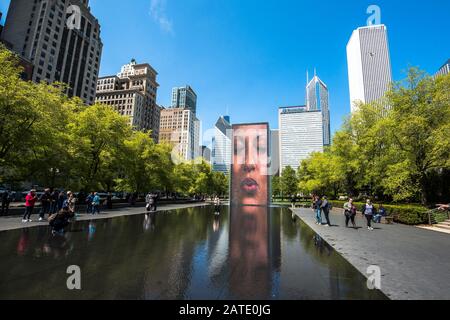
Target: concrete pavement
15,222
414,262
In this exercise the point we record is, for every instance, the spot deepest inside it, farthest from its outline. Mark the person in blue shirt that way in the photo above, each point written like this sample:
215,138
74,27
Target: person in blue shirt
380,214
96,204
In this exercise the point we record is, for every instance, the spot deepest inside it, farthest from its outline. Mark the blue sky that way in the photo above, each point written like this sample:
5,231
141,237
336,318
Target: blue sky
250,57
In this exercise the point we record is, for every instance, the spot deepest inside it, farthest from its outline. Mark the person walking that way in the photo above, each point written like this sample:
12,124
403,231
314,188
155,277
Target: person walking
368,211
109,201
70,202
61,199
54,202
6,200
30,201
317,205
217,205
350,213
326,206
45,199
89,200
148,201
96,204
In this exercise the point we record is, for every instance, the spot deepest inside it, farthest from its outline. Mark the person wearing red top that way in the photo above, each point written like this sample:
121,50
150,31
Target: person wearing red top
30,201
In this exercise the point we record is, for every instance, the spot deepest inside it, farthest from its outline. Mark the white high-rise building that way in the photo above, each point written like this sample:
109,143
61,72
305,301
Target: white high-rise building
445,69
369,65
301,133
317,99
221,146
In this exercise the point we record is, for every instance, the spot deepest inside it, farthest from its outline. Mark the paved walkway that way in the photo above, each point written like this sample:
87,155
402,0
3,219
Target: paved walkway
414,262
15,222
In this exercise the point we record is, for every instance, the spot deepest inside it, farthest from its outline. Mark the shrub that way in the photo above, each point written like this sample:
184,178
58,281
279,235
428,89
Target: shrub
403,213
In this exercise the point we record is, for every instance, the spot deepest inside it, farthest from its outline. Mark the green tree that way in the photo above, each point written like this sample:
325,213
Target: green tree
320,174
276,186
97,136
289,182
418,133
220,182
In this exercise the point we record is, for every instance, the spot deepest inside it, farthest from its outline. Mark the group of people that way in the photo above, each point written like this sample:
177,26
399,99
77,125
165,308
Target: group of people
93,203
59,206
52,202
369,211
322,205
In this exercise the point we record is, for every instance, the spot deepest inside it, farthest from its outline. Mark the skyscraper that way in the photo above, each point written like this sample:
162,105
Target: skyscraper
301,133
184,98
181,128
317,99
274,152
40,32
445,69
206,154
369,64
221,145
133,93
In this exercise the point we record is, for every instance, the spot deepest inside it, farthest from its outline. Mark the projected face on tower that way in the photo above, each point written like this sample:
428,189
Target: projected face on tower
249,180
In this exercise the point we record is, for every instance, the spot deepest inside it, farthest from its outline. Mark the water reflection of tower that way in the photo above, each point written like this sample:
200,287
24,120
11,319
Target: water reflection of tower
252,247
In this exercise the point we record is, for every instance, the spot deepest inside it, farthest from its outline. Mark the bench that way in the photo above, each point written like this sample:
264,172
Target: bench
389,219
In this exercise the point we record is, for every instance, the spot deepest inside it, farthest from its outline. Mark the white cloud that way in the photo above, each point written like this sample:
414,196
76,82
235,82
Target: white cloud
158,14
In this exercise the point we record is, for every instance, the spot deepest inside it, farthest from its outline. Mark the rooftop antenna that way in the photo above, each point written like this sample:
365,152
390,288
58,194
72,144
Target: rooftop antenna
307,91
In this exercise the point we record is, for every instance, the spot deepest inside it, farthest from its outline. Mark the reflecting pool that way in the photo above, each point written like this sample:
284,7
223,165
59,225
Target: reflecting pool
243,253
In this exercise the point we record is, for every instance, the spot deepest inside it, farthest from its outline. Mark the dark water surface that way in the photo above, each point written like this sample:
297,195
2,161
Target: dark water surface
245,253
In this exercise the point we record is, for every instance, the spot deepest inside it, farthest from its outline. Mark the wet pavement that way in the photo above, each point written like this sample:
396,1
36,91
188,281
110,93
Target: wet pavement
243,253
414,262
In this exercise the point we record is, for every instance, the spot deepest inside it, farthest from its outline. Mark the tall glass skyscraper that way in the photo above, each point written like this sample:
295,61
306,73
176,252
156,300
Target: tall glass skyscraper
184,98
317,99
221,145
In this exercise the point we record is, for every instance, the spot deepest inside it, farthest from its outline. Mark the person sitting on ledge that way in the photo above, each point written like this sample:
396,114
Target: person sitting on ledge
380,214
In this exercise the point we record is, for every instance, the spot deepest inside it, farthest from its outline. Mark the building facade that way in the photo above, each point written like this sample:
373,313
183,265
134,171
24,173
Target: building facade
369,65
445,69
221,146
181,128
206,154
61,38
132,93
300,134
184,98
317,99
274,153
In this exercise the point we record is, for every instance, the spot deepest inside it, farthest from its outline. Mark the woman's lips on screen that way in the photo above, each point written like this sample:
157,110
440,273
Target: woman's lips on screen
249,185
